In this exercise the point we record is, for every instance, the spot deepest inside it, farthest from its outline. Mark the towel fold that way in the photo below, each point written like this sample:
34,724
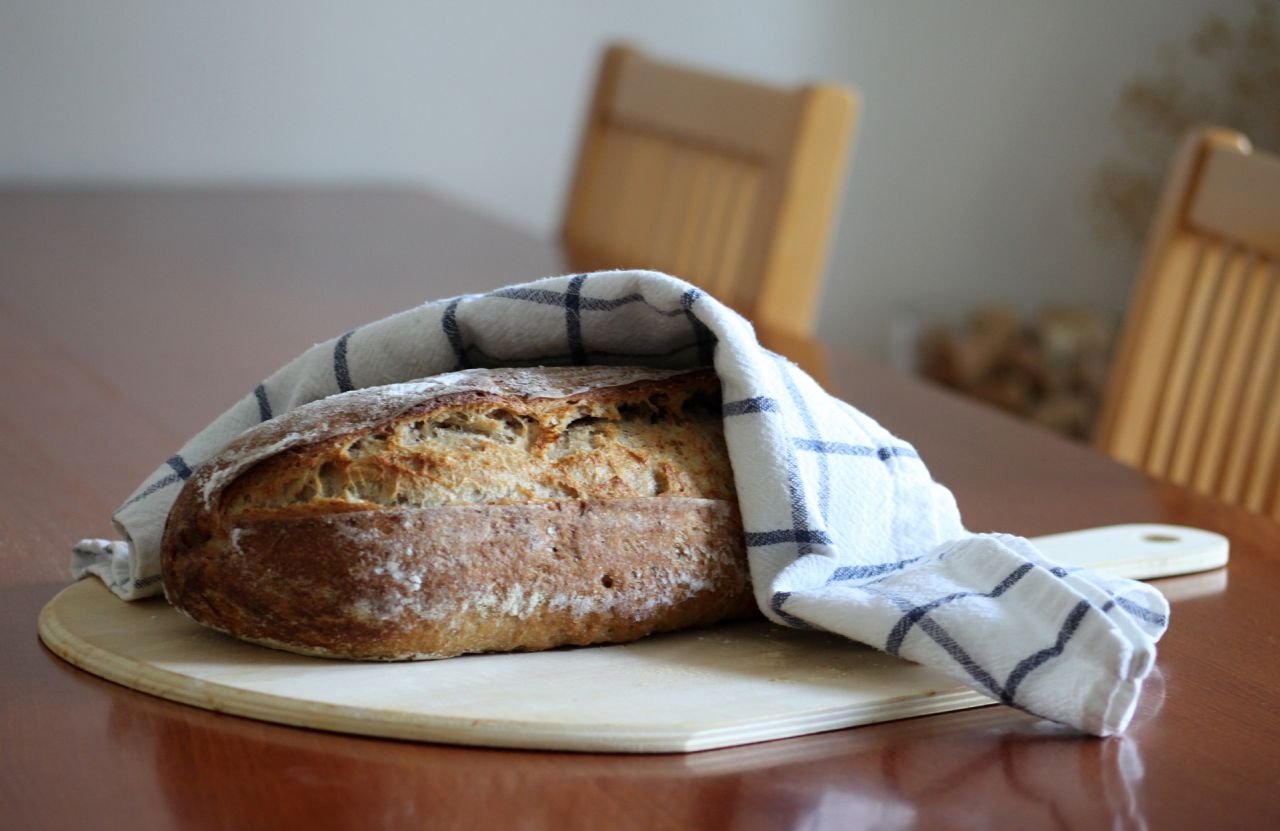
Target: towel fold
845,529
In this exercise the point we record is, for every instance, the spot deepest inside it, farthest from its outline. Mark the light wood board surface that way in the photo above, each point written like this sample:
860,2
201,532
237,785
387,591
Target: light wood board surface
726,685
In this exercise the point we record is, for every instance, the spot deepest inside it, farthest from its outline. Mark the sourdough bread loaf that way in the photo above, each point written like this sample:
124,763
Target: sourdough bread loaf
480,511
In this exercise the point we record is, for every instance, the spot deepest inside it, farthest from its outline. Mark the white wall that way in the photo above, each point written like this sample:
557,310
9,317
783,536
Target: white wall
982,121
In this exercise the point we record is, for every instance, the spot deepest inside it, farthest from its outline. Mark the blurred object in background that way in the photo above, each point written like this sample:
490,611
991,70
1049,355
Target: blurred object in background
1195,394
730,184
1226,72
1051,369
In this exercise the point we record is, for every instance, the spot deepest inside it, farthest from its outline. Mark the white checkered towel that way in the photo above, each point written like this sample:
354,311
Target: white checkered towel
846,530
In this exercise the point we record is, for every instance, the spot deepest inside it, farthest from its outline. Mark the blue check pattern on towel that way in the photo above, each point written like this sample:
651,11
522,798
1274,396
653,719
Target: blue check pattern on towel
846,530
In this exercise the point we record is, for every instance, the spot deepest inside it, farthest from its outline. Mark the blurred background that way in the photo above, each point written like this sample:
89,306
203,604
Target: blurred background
1006,156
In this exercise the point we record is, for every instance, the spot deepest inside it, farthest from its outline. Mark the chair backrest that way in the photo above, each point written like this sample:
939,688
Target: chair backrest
1194,396
730,185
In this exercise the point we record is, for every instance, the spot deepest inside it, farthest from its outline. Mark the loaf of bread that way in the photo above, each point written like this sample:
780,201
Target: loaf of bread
480,511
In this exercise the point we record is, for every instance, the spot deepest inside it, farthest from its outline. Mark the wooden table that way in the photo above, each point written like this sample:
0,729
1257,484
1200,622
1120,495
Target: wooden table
128,320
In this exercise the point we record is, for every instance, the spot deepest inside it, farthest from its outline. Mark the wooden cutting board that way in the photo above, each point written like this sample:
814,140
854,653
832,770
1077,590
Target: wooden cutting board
695,690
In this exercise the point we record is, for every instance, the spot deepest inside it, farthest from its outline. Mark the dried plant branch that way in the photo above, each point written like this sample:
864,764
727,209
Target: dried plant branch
1227,73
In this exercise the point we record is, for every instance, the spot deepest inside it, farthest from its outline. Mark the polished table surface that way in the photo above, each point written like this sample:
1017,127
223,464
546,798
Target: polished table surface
129,319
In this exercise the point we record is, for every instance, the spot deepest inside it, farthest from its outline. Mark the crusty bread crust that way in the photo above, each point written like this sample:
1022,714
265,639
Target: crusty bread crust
487,510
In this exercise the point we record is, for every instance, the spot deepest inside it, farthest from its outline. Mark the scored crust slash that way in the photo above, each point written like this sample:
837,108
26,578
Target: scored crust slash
485,510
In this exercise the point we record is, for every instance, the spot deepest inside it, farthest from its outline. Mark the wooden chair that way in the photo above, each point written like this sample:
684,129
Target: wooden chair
730,185
1195,393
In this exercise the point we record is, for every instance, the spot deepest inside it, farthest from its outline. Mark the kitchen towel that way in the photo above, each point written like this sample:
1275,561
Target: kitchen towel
845,529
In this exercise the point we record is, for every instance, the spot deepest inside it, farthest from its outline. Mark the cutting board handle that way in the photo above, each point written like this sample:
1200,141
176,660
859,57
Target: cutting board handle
1142,551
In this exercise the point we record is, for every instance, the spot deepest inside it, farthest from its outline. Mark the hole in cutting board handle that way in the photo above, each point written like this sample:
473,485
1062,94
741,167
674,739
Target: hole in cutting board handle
1161,538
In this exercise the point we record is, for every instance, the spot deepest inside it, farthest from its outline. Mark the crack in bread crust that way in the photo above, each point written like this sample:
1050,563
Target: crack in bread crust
642,440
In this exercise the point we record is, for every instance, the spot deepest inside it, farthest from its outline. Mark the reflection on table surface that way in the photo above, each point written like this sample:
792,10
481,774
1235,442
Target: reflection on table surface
931,773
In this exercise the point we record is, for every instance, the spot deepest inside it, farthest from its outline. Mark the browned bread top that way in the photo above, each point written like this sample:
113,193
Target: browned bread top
484,436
